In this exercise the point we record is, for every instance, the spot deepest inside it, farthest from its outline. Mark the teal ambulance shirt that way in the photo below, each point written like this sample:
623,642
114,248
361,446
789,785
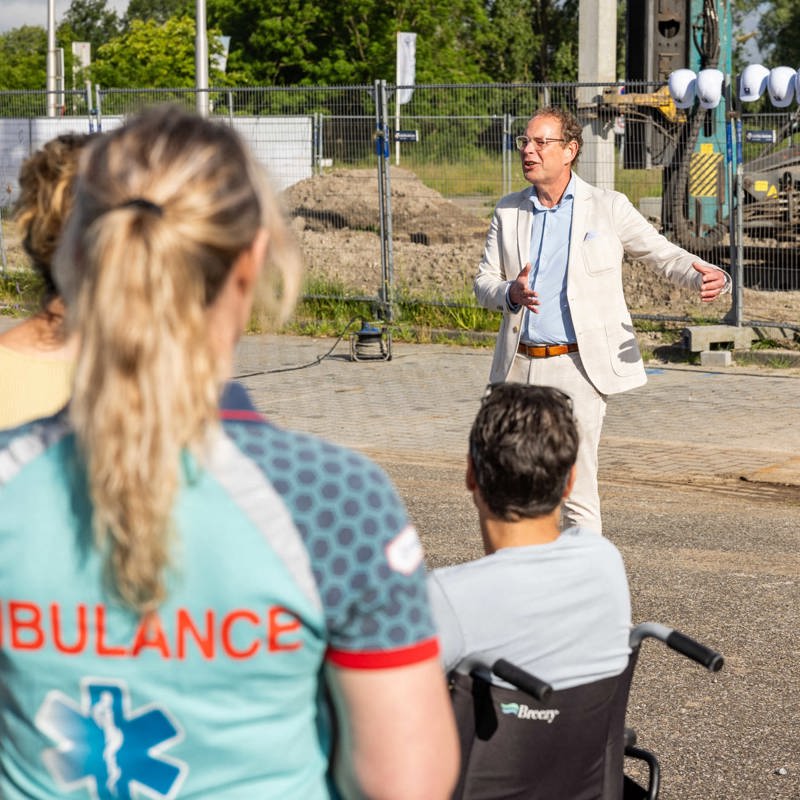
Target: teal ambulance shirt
288,552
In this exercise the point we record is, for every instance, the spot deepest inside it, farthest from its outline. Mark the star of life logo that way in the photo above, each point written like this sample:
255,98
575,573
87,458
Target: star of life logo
522,711
105,748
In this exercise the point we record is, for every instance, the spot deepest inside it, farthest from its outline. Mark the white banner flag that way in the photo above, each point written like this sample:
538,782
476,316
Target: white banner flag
406,65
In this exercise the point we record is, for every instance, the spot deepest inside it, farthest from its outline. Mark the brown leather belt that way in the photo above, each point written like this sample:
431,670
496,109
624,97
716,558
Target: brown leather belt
546,350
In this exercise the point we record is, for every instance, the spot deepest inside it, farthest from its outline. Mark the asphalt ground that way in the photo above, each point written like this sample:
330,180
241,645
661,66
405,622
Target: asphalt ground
700,485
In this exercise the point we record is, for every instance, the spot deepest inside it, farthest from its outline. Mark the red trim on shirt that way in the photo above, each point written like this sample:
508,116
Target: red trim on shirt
384,659
241,414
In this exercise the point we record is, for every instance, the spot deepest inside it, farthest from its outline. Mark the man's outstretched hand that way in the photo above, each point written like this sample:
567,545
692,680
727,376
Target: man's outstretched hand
714,281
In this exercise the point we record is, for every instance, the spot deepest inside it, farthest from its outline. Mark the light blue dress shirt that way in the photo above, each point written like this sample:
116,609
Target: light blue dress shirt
548,277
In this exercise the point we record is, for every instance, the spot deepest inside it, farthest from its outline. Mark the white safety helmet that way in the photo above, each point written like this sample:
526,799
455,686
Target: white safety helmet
752,82
709,87
682,87
781,86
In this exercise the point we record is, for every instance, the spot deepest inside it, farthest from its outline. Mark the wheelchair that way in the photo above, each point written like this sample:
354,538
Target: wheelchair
533,743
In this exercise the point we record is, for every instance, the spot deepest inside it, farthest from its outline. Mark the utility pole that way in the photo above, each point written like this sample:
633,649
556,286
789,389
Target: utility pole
201,58
597,63
51,58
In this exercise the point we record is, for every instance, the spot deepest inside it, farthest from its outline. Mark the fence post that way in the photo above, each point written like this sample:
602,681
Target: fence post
738,280
384,200
734,316
506,153
98,108
316,142
733,137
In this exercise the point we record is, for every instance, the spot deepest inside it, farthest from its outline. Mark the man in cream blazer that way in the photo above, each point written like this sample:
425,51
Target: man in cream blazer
552,264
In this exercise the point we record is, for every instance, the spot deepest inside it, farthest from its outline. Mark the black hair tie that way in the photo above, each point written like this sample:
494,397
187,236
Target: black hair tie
145,205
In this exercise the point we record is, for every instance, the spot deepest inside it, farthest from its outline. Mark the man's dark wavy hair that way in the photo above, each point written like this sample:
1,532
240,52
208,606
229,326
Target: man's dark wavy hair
523,444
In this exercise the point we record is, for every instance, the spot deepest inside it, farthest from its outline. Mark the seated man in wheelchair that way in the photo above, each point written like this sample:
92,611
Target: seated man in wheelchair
554,603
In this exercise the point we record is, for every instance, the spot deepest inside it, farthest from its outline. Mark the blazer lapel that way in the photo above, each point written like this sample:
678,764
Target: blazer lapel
579,221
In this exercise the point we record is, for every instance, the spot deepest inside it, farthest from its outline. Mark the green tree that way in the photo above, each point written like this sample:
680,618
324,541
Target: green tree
23,58
159,10
89,21
271,40
350,41
451,38
152,55
777,31
532,41
509,42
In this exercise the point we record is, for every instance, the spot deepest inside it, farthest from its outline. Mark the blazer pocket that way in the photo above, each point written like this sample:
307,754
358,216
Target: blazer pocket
623,349
602,253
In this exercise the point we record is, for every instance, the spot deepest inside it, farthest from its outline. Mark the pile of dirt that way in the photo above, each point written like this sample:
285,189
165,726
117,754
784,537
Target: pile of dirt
349,199
437,245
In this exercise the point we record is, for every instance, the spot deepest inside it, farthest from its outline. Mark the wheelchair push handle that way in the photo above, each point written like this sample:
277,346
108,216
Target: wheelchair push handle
522,679
688,647
679,642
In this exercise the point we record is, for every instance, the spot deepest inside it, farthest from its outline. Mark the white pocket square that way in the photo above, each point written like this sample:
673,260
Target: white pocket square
591,235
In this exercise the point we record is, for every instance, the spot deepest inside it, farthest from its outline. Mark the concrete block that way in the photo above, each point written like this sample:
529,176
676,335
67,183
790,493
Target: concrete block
715,358
698,338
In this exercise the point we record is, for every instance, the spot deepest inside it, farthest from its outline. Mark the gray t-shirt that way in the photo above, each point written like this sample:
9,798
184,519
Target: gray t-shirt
559,610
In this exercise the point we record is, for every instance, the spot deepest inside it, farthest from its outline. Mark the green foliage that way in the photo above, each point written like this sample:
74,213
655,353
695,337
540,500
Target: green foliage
89,21
158,10
326,308
20,290
152,55
294,43
271,41
764,344
349,42
776,34
23,58
460,314
532,41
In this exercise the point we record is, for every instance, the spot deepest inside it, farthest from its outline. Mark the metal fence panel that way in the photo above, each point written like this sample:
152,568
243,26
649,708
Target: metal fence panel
456,142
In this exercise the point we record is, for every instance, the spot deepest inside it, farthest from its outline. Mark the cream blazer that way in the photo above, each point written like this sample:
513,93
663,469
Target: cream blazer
605,226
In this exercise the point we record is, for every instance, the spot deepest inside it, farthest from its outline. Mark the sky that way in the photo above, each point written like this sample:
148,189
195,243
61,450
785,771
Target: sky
15,13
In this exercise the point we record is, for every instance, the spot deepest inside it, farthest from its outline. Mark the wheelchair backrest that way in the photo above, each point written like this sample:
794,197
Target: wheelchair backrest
515,747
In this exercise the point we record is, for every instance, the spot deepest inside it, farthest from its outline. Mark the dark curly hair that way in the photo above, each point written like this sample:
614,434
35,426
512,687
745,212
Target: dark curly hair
522,445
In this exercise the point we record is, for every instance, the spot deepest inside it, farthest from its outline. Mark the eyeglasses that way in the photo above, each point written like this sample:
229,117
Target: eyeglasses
523,141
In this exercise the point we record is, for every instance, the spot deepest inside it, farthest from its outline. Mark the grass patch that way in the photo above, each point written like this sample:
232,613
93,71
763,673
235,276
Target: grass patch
764,344
19,292
327,309
779,362
638,183
481,175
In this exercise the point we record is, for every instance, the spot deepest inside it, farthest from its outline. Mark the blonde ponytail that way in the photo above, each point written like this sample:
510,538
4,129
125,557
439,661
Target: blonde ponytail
145,388
164,206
